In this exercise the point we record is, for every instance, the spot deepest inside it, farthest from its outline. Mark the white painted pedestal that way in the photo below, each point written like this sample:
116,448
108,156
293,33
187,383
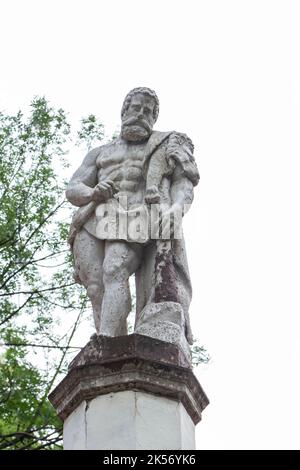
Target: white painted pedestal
129,420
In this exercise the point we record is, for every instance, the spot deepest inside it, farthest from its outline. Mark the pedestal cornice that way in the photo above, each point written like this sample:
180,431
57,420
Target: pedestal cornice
134,362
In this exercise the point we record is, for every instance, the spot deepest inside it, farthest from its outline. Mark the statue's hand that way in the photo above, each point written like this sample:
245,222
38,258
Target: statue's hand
103,191
174,152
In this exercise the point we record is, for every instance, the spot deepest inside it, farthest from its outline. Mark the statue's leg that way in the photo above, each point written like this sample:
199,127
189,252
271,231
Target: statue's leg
88,256
121,260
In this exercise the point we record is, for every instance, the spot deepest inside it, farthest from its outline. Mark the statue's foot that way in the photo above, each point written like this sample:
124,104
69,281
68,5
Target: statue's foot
152,195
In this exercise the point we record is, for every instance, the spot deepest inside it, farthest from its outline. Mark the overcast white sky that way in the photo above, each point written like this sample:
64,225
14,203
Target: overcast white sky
228,74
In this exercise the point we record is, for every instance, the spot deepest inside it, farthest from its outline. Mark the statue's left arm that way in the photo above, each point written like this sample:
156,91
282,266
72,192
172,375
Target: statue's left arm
181,191
185,174
181,195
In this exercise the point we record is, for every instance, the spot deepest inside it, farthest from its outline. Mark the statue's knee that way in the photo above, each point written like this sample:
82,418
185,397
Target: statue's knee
94,290
113,272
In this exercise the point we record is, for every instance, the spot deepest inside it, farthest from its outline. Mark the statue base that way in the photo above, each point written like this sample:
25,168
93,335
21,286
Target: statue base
127,393
164,321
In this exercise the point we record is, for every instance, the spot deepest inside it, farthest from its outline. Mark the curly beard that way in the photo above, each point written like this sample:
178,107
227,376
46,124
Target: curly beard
135,130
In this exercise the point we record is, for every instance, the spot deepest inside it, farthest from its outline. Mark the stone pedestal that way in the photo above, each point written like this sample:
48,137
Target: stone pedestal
131,392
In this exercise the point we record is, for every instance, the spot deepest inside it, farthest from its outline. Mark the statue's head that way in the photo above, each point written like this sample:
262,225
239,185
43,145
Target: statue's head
139,114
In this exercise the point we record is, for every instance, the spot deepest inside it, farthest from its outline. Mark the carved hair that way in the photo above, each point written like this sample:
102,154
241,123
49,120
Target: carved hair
144,91
178,138
177,152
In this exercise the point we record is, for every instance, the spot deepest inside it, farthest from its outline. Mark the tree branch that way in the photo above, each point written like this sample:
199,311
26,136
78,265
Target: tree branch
34,345
37,291
15,312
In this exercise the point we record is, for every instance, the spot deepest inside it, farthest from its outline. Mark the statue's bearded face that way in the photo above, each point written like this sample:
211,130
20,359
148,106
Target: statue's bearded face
138,121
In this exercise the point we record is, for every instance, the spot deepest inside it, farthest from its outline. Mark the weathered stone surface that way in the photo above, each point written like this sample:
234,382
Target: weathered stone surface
103,349
123,179
134,362
164,321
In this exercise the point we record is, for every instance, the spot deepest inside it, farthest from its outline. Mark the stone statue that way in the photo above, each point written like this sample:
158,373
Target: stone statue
117,183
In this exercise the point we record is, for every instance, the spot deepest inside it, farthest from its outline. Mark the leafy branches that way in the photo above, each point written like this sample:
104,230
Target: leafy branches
91,131
34,219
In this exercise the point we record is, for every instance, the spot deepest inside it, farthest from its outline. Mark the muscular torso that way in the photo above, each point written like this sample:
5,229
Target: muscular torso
123,163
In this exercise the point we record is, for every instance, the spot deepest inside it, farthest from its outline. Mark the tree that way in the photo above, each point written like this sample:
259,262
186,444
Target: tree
36,271
40,304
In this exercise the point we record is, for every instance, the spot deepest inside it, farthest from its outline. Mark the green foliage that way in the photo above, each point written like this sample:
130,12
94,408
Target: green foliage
22,389
91,132
199,354
36,273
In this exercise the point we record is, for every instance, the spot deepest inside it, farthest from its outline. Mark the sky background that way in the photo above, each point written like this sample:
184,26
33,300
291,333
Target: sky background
227,73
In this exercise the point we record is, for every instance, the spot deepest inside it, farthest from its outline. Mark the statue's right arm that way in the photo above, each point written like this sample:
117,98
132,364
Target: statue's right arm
80,190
